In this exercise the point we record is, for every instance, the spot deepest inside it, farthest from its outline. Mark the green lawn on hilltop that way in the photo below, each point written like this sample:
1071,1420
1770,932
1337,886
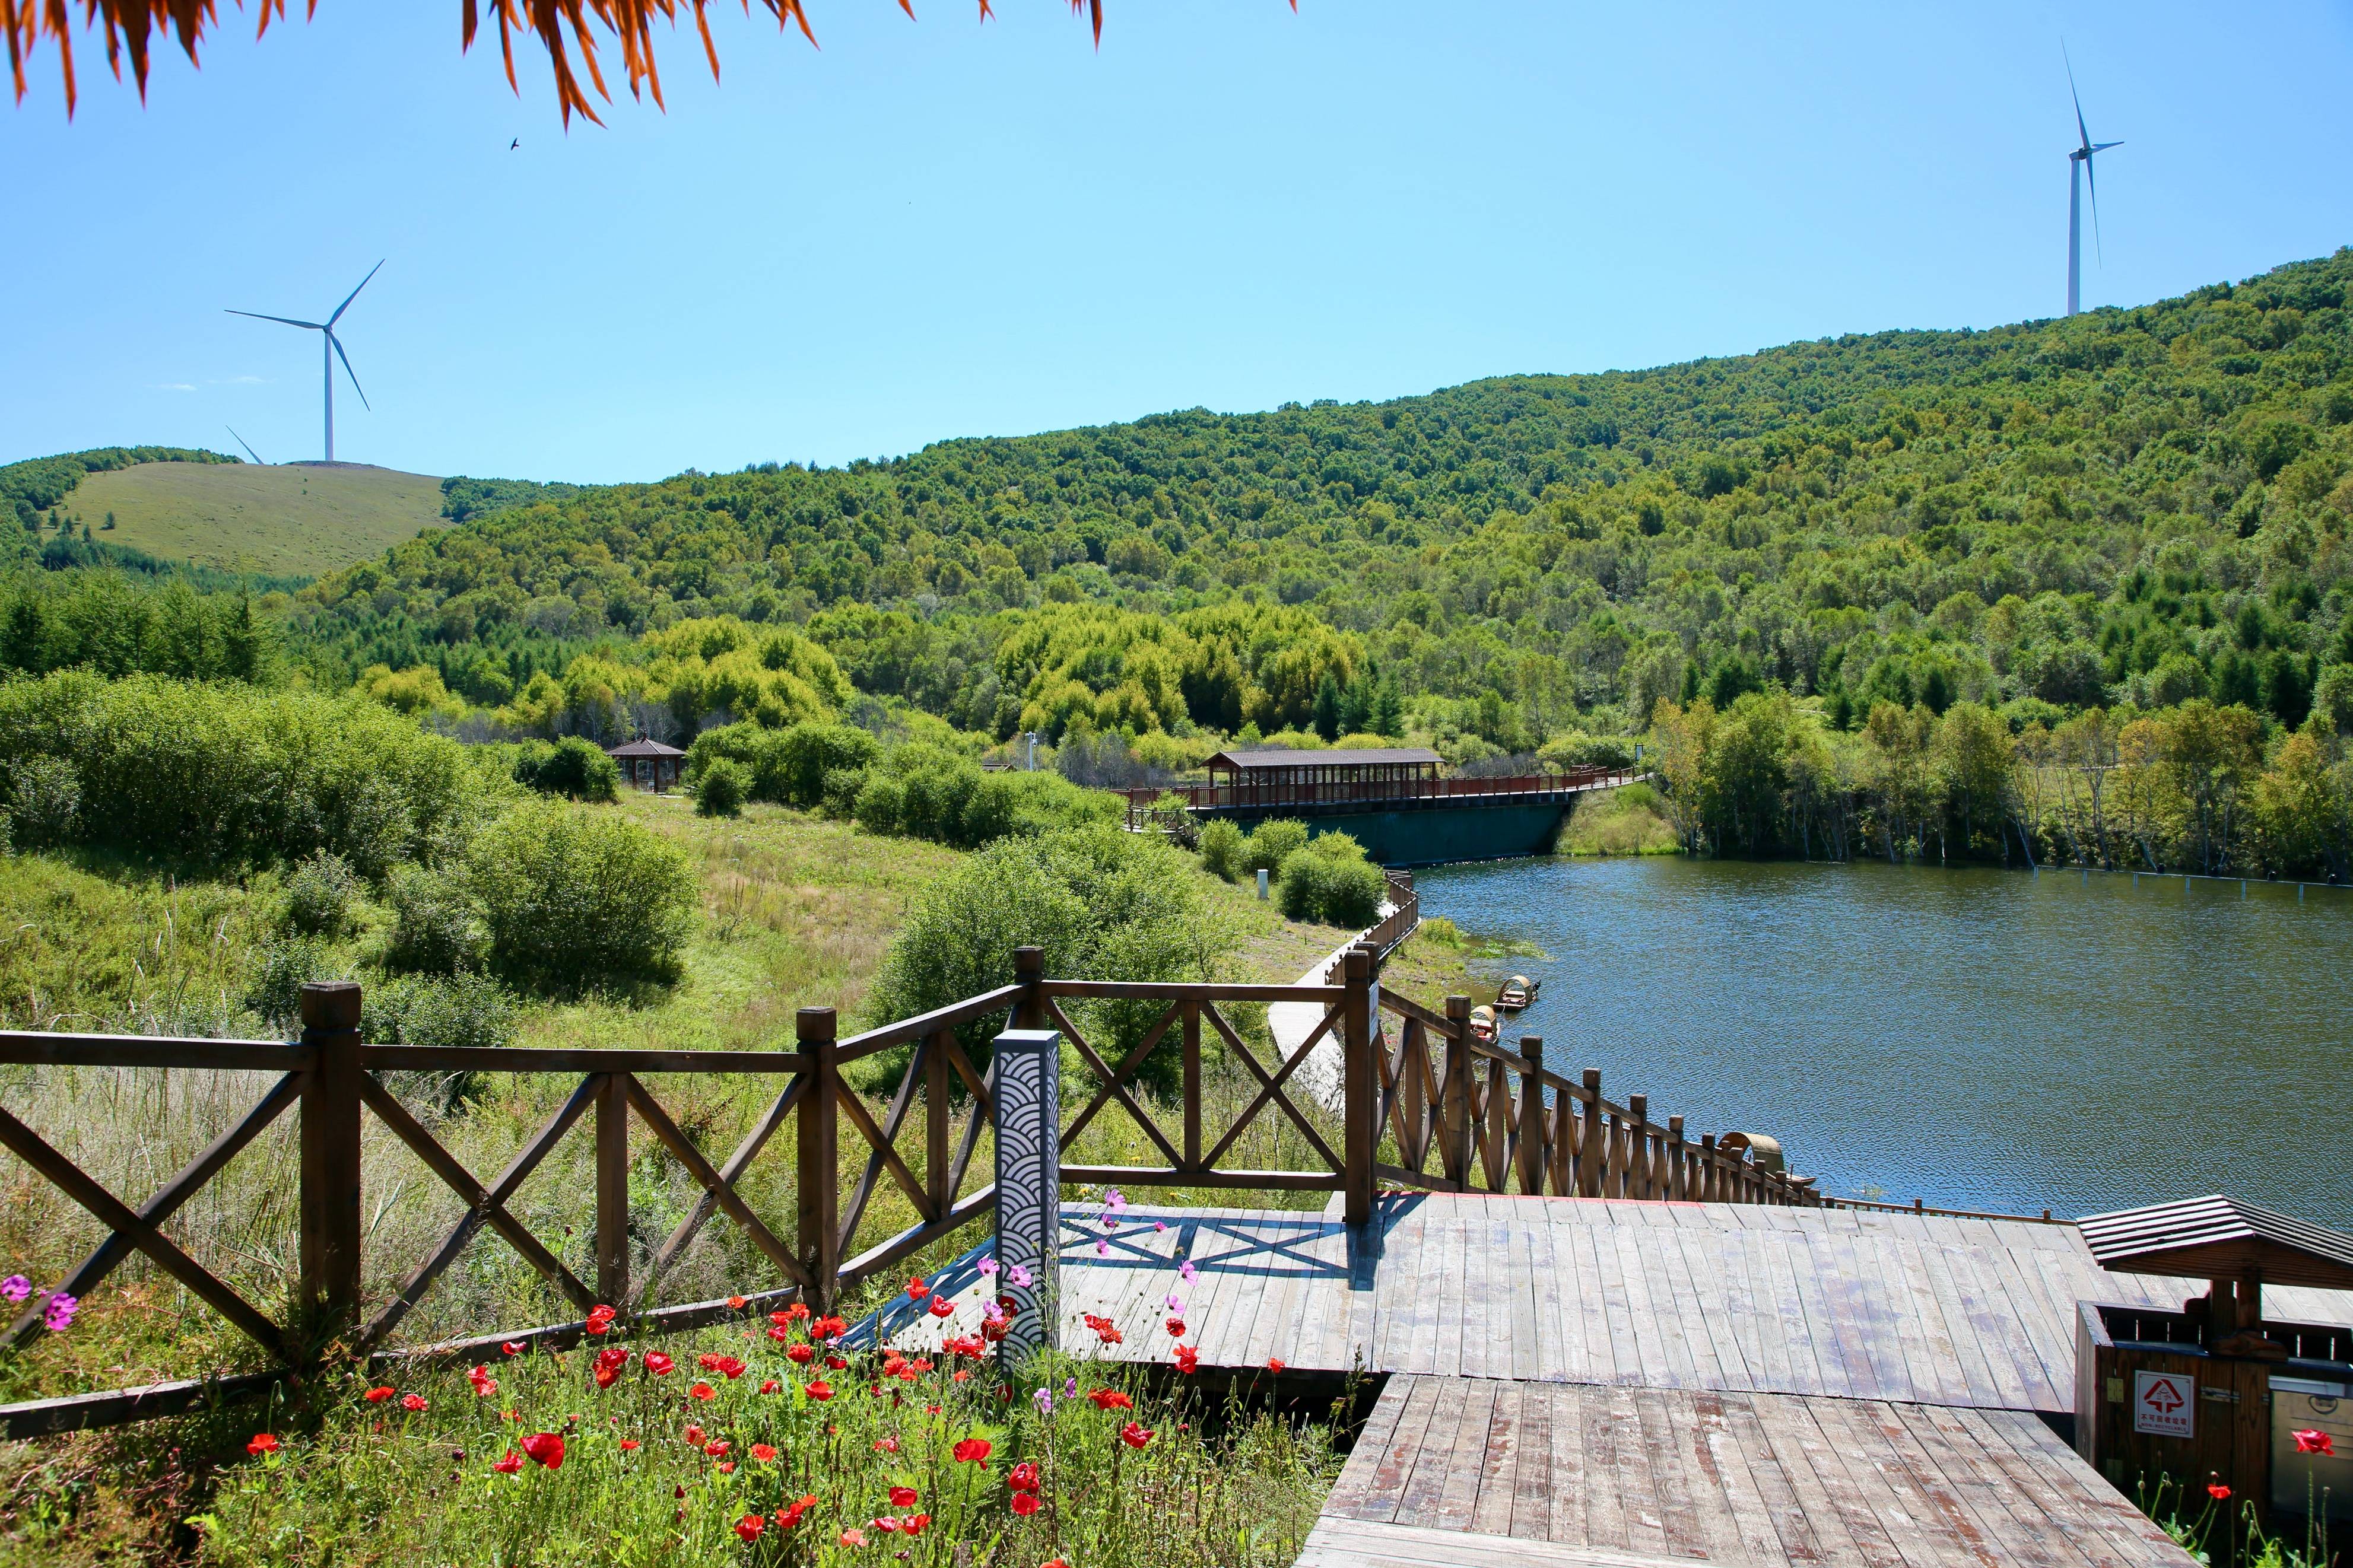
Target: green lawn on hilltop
286,520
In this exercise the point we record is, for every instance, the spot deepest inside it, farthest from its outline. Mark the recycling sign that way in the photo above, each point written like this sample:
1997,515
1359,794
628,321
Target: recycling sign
2164,1402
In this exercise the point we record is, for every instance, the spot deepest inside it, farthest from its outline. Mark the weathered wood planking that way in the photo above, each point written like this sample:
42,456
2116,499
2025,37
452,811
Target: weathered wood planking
1472,1471
1733,1297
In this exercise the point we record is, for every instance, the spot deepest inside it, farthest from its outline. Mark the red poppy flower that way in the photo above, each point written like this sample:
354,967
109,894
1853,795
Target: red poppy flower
703,1391
886,1445
972,1450
263,1443
1188,1359
2315,1441
2218,1492
778,1332
902,1497
659,1364
628,1444
886,1524
853,1537
788,1517
917,1289
730,1368
827,1328
1274,1363
1109,1336
819,1390
1109,1399
738,1302
834,1364
412,1402
1023,1478
1176,1326
545,1448
725,1467
1053,1562
716,1448
940,1308
513,1347
600,1319
750,1525
799,1355
508,1465
915,1523
484,1383
769,1386
1133,1436
378,1396
1026,1503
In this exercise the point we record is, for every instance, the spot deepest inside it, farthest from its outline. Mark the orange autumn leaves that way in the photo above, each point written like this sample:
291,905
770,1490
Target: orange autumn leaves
574,33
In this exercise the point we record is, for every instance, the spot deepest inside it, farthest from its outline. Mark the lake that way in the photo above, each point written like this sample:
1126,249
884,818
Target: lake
1978,1038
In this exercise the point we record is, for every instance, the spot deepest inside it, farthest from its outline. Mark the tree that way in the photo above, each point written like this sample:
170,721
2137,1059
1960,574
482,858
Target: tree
1326,711
131,27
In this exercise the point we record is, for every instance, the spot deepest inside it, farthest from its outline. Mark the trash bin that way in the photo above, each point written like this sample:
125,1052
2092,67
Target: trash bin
2312,1482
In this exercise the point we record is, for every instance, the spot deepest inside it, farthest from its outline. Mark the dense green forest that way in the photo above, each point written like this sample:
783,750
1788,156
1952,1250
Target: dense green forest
2143,504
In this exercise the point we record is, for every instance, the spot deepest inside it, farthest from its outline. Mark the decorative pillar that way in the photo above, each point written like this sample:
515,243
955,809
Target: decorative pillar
1029,1188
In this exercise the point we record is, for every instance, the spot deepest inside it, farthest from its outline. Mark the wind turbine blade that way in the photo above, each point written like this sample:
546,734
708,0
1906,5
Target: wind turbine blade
2105,145
241,441
2092,181
314,326
379,267
2080,128
347,370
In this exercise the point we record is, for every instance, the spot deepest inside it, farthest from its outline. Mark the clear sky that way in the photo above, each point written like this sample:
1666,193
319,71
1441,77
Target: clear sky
935,228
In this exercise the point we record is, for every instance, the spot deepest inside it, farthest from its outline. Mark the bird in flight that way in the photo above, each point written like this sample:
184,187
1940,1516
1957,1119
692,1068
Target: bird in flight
515,144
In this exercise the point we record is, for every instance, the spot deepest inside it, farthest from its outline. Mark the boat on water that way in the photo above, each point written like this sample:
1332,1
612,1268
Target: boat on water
1518,992
1482,1025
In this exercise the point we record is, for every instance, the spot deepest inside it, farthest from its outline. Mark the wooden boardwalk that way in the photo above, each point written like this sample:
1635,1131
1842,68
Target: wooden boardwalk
1733,1297
1613,1474
1605,1381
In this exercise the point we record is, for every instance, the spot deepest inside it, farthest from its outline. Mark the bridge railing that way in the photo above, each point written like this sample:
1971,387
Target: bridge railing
1144,805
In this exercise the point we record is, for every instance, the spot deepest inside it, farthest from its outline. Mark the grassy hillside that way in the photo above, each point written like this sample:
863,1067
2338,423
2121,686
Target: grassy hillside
289,520
2132,505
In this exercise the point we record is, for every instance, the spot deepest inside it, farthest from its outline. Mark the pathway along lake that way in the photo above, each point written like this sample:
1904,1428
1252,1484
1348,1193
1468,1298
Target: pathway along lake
1982,1039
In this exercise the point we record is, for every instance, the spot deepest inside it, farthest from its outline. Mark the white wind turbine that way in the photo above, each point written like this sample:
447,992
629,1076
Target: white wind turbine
2079,174
330,351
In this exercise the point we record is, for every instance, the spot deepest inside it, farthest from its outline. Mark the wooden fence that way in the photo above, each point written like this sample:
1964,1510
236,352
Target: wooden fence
1489,1116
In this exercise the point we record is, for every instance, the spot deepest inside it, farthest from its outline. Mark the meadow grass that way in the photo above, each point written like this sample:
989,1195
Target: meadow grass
285,520
798,910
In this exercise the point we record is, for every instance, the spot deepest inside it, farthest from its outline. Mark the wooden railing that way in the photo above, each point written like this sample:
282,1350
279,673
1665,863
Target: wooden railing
1500,1120
1489,1116
1323,794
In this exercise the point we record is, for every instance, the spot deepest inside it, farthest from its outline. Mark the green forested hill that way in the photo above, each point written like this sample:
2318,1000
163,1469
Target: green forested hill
2143,504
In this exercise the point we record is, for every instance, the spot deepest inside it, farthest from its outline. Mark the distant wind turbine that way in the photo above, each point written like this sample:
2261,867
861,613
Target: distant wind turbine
2079,174
240,441
330,353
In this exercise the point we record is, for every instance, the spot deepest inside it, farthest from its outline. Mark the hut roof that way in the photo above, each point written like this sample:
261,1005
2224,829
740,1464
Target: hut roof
2220,1238
1279,757
643,749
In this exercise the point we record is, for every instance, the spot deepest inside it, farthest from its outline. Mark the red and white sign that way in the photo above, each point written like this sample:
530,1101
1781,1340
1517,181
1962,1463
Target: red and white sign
2164,1402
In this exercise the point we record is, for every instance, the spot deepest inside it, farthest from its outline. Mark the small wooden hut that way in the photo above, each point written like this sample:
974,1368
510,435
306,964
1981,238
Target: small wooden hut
648,764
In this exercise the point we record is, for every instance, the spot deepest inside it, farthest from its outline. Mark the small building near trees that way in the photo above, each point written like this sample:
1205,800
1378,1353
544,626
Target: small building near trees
647,764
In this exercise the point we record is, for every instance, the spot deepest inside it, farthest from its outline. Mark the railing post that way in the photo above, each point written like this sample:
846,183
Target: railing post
1455,1113
1678,1169
1532,1117
612,1192
938,1123
1192,1047
1638,1146
1028,1189
330,1244
1360,1085
820,1157
1029,971
1711,1186
1588,1158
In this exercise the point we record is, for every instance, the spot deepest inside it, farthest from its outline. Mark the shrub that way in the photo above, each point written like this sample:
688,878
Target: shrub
461,1010
572,768
1271,843
721,787
433,929
1102,902
1222,848
573,902
275,991
791,767
1330,880
44,801
923,792
318,896
233,774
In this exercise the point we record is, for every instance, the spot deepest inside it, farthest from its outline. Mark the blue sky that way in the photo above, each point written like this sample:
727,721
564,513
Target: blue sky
936,228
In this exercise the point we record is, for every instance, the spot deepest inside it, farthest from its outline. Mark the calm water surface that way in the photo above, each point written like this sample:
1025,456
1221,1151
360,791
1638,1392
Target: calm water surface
1980,1038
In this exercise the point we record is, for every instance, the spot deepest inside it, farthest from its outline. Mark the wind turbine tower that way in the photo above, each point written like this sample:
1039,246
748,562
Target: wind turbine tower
331,349
2079,174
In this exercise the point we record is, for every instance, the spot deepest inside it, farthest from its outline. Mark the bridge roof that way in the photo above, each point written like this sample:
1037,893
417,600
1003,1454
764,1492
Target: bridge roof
1369,757
2215,1238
